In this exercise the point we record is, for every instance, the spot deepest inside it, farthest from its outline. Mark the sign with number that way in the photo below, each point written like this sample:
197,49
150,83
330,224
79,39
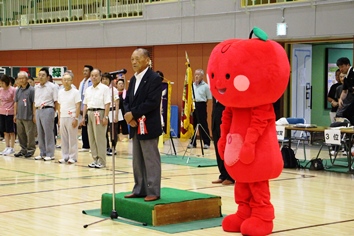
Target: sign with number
332,136
280,132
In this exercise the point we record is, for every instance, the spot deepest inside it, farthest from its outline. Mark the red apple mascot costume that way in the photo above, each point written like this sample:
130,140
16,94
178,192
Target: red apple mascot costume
247,76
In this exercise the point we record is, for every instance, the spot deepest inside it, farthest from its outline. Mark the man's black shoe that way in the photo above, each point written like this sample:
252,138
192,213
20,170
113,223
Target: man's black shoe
27,155
19,154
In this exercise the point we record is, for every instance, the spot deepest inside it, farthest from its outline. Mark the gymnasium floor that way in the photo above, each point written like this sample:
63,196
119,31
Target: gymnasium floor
47,198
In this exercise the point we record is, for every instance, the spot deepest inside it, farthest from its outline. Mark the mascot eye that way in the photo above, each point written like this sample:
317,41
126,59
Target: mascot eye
227,76
212,75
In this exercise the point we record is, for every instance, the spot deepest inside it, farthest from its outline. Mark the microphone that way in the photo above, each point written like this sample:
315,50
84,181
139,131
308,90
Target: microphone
115,73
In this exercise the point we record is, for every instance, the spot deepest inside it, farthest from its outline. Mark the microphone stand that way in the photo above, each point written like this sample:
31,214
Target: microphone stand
114,214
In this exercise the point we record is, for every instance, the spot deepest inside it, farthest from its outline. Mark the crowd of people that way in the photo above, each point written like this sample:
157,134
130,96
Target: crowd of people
34,112
103,109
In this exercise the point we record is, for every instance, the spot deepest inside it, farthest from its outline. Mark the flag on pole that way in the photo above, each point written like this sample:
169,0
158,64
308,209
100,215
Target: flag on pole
187,129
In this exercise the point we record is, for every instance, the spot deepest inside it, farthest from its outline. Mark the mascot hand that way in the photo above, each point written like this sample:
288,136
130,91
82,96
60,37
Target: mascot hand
221,147
247,153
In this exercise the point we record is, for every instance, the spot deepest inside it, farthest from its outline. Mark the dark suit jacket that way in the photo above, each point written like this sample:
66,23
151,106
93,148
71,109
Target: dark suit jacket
146,101
349,81
216,114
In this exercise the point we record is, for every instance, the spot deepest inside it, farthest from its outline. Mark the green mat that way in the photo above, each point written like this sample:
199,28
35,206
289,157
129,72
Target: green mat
339,165
193,161
171,229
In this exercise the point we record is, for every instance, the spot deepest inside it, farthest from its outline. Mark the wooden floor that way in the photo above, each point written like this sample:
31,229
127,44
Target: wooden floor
47,198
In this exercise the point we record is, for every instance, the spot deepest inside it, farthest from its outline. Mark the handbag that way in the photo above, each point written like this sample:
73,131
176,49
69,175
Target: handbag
316,164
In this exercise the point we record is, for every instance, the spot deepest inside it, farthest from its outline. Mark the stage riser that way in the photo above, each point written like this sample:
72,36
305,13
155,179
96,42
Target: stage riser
175,206
186,211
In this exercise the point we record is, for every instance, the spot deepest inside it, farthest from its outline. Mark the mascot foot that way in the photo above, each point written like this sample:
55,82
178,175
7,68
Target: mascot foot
232,223
256,227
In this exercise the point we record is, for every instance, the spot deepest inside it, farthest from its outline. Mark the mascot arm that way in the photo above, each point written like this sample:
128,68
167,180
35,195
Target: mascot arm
260,118
224,129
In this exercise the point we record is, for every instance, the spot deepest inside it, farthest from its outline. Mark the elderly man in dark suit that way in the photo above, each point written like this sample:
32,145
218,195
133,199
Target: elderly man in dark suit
142,113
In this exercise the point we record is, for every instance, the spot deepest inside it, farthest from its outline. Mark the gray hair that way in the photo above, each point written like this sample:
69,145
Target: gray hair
145,52
200,71
69,72
24,73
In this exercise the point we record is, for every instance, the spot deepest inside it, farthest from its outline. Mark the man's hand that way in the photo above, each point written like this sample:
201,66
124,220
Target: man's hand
343,95
104,121
128,117
340,103
133,123
75,123
334,103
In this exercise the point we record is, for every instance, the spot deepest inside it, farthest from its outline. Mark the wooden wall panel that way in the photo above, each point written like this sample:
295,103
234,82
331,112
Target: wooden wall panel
122,57
34,57
69,57
106,59
51,58
85,56
4,61
16,58
165,60
207,48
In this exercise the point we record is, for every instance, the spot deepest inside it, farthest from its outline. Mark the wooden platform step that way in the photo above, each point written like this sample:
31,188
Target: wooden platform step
175,206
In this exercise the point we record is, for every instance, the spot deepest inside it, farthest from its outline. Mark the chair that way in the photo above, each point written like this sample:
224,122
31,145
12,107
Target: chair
297,136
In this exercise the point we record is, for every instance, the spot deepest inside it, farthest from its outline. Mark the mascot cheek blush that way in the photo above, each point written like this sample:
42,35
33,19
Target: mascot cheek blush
248,76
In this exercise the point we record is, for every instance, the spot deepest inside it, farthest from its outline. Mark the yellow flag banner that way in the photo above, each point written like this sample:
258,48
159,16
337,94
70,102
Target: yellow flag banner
187,129
168,113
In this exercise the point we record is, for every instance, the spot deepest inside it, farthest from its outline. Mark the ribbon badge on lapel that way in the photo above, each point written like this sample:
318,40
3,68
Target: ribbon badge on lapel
97,117
142,126
70,113
24,102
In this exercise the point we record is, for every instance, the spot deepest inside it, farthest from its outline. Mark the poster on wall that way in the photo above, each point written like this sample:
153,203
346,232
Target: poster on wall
331,75
31,71
5,70
56,72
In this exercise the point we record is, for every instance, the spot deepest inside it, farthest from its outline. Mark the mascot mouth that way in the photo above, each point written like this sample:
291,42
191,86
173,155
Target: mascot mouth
222,90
